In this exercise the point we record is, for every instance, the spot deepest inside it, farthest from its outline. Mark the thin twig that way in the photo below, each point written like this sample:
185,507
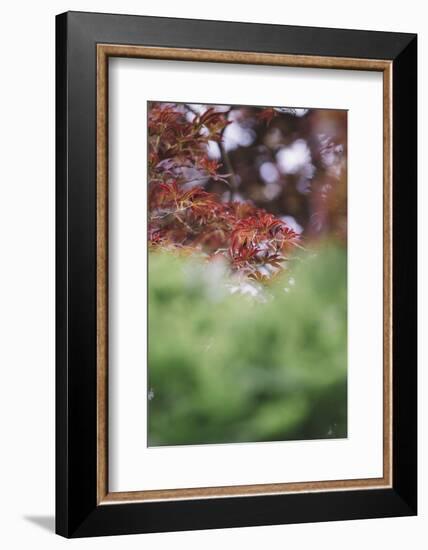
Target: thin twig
228,165
233,183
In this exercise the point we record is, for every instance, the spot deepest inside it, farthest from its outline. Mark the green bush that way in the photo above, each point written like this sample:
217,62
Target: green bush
233,367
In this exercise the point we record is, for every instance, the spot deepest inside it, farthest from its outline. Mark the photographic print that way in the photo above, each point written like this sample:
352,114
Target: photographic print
231,280
247,263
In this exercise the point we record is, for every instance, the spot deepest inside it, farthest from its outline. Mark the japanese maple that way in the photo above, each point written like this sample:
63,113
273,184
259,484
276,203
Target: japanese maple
184,216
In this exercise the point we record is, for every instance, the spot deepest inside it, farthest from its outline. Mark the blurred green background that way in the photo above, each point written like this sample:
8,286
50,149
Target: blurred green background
242,363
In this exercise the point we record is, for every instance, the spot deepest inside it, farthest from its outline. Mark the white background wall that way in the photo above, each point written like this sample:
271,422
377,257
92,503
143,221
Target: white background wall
27,89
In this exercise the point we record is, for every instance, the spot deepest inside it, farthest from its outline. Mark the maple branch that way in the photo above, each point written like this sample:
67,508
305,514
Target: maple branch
233,183
229,168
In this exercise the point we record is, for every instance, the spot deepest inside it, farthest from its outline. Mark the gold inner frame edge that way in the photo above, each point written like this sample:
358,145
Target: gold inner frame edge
104,51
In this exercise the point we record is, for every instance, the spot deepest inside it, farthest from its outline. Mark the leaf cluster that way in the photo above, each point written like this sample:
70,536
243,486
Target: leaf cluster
184,216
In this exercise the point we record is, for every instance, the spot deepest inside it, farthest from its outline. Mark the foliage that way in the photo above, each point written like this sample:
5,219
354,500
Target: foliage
230,368
184,216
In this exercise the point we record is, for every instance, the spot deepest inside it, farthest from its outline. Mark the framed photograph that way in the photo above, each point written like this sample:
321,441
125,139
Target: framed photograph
236,274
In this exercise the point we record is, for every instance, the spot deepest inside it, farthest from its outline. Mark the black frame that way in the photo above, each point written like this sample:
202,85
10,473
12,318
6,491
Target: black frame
77,513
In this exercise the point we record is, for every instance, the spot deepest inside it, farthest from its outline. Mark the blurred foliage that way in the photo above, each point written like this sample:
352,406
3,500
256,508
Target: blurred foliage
240,363
293,164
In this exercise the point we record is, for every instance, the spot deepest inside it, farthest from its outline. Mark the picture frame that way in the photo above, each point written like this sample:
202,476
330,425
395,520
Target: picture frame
84,44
